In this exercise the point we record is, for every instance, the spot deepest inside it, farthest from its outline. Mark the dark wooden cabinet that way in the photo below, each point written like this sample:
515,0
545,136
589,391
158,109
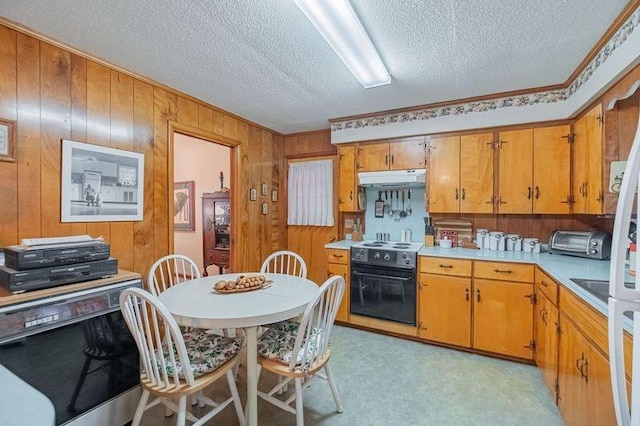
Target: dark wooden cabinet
216,241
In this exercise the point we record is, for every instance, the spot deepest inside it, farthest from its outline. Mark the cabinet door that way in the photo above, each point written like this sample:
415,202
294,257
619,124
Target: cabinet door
600,406
444,175
503,317
572,388
408,155
343,271
545,321
515,171
551,170
587,162
373,157
445,309
476,173
347,201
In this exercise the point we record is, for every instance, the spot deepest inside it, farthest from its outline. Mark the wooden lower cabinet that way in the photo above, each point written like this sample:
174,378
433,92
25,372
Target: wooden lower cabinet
342,269
503,317
584,382
445,309
545,336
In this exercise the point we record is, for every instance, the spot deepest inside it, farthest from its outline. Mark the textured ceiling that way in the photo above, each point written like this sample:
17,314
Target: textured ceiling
264,61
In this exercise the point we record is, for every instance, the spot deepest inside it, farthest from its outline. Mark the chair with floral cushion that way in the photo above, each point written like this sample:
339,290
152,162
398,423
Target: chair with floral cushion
299,351
174,366
285,262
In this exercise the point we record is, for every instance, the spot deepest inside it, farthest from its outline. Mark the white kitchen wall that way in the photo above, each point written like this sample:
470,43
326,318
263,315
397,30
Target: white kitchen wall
391,224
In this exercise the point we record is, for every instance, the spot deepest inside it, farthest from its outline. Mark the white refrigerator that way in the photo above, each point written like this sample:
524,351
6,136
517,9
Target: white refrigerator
622,299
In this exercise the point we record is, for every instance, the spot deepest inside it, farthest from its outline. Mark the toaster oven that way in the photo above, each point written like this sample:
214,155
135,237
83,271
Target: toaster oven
589,244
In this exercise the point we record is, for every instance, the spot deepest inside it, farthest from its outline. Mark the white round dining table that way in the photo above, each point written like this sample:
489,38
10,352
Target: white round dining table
195,303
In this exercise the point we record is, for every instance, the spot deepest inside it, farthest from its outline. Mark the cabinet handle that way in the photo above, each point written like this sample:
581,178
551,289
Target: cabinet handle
478,295
543,315
351,195
339,256
456,193
445,266
600,198
544,283
386,160
585,370
393,159
529,193
584,191
463,194
500,201
503,271
537,192
467,296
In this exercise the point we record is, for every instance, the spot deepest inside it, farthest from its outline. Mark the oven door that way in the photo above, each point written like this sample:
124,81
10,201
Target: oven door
384,293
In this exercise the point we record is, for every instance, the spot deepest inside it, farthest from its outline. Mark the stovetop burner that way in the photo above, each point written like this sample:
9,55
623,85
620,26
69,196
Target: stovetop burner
390,245
374,244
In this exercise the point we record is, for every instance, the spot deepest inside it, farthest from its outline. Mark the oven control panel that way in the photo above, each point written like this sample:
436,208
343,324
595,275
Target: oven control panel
373,256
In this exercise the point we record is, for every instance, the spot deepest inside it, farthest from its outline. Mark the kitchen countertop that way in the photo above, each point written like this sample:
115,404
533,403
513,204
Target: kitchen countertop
561,268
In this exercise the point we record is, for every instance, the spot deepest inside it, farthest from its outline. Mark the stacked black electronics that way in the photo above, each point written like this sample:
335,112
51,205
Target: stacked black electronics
33,268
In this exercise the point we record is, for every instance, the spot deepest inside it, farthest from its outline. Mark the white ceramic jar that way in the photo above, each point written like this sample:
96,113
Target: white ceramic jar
495,237
528,245
481,237
511,241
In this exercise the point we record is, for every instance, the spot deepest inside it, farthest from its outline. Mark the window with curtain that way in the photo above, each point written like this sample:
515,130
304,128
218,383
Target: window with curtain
310,193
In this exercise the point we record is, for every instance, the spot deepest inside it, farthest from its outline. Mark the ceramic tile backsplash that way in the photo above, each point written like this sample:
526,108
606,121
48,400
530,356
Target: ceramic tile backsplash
391,224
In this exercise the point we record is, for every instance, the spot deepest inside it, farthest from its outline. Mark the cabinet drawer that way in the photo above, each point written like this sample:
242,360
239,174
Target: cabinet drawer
505,271
445,266
338,256
548,286
218,257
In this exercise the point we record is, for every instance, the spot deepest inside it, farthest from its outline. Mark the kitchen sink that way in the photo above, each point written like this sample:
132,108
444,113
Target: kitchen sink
599,288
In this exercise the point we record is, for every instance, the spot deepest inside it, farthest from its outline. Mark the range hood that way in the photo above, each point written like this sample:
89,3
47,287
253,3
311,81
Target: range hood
393,178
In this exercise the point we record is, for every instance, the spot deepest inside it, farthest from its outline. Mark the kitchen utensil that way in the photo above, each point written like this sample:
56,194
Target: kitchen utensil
408,202
403,213
387,206
379,206
362,199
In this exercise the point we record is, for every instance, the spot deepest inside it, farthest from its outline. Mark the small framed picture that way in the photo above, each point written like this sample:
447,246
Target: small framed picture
7,140
265,189
253,194
265,209
274,196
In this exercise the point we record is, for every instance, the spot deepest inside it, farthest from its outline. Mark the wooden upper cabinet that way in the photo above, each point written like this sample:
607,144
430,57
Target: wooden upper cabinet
515,171
348,193
551,170
534,171
402,154
444,175
587,163
461,174
476,173
373,157
409,154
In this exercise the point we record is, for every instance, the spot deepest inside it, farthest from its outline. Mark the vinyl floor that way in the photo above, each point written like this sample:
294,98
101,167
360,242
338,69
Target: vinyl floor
384,380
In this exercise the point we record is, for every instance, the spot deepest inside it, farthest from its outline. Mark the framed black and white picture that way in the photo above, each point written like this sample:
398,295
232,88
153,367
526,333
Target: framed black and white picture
101,184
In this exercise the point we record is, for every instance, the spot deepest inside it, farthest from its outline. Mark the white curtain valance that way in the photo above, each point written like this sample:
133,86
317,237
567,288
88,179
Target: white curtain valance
310,193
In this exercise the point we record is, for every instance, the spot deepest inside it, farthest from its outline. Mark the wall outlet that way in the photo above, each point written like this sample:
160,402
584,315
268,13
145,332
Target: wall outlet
348,223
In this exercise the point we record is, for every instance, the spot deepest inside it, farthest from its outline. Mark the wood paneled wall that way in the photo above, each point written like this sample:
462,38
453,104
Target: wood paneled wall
53,93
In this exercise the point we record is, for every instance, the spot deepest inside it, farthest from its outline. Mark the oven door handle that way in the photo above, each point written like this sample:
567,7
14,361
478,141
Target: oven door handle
379,277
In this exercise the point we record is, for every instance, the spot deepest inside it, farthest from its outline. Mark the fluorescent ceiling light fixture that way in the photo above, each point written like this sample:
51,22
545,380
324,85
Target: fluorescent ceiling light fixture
341,28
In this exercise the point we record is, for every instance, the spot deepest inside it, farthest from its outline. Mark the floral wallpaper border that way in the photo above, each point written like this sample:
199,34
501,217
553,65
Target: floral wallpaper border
547,97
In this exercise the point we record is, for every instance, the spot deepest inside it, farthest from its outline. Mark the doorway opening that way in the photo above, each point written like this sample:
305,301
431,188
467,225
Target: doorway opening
202,167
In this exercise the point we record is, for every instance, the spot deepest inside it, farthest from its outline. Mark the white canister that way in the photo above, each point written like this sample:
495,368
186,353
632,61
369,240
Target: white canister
511,241
518,246
536,247
480,237
502,243
494,239
529,244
